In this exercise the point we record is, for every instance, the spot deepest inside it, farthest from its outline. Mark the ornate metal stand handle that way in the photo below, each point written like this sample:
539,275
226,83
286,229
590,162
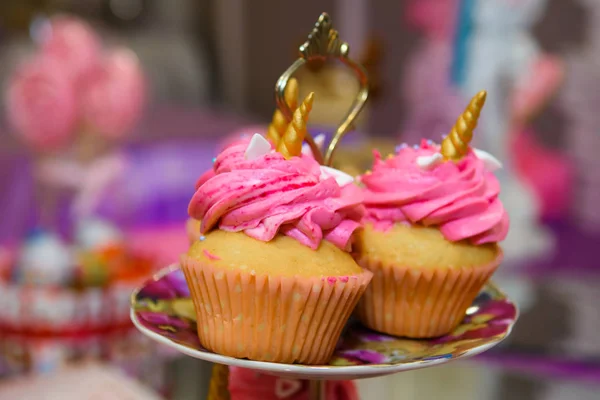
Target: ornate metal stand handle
324,43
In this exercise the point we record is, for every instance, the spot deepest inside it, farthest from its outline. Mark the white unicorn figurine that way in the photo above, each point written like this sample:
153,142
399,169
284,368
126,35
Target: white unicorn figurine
501,57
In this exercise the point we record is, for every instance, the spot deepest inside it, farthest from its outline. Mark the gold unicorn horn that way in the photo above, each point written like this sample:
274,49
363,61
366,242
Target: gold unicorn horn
456,144
279,122
219,383
290,144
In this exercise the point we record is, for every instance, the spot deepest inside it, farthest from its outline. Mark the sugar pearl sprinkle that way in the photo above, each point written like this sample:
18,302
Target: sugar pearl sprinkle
202,238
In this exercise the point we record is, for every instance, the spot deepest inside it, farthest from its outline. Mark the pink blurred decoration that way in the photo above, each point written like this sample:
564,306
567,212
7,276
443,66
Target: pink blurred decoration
163,243
547,172
538,87
71,87
435,18
74,43
433,103
91,181
41,103
113,94
100,175
581,99
246,384
7,258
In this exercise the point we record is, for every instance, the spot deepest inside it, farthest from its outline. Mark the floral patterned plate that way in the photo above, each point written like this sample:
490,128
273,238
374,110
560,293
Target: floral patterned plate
162,309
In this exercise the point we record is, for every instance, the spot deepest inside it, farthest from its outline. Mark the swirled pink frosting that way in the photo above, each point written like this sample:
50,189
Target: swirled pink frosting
230,156
461,198
270,195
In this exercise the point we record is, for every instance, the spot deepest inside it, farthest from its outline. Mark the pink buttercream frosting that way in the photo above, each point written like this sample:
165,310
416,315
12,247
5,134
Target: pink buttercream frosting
231,155
461,198
270,195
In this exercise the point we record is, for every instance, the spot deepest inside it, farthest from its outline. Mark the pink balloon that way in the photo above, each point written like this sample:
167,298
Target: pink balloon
113,95
74,43
41,103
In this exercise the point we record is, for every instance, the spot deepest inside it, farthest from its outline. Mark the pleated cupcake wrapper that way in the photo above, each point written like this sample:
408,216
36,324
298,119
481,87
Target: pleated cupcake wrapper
418,302
267,318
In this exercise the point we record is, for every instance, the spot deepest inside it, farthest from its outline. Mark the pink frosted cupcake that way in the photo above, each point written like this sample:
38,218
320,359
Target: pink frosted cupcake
433,220
232,154
270,275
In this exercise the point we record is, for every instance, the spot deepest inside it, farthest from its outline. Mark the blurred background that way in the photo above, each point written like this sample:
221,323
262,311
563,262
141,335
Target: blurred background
111,109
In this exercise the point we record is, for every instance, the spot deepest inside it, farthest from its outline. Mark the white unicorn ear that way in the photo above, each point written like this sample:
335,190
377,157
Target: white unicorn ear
258,146
340,177
428,162
490,162
319,141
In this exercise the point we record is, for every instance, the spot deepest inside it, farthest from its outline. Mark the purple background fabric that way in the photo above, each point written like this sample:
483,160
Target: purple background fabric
167,139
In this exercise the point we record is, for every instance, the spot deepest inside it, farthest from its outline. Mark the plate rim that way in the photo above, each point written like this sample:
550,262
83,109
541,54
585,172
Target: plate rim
324,371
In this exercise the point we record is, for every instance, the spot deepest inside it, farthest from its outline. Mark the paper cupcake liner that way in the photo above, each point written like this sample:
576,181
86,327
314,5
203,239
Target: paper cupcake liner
268,318
417,302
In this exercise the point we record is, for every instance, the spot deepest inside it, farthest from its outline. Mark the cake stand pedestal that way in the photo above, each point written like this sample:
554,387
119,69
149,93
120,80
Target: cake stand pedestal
162,310
316,390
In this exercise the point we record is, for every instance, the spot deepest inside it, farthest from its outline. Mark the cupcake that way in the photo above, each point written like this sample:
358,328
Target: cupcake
432,225
270,275
237,143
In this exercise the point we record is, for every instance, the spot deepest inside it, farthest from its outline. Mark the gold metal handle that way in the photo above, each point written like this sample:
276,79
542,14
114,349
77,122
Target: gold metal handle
323,43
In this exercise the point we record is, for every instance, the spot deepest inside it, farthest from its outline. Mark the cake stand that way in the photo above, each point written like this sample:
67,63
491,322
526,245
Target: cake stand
162,309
